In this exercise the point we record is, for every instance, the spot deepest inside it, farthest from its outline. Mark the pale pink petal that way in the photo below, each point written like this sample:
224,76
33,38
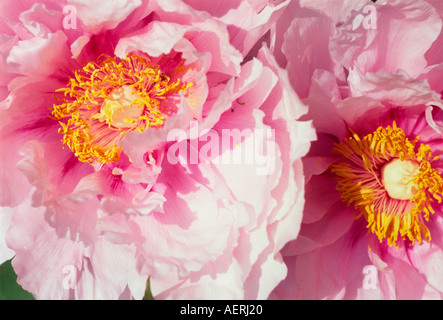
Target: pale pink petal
136,144
5,220
247,26
319,157
97,16
299,136
410,29
120,270
260,287
41,21
330,228
42,56
222,287
209,36
337,10
55,263
304,55
340,265
391,89
427,257
53,175
399,277
216,8
15,186
156,38
42,257
322,101
319,187
434,54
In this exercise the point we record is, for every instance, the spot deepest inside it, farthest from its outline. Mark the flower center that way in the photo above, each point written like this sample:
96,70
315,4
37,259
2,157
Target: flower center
397,178
119,110
390,181
110,97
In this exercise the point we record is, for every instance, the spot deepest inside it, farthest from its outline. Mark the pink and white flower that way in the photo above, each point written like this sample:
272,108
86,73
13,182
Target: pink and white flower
368,91
93,205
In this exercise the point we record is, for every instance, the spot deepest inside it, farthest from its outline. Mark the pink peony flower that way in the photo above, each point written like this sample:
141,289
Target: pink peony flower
373,221
99,102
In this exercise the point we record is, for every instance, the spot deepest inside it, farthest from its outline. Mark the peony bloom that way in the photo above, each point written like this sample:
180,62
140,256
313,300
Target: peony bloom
107,178
373,222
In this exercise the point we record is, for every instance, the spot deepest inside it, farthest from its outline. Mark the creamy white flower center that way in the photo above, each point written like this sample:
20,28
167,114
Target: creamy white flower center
397,176
120,109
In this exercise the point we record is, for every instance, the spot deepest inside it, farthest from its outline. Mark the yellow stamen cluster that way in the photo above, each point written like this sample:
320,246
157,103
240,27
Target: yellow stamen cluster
86,111
359,182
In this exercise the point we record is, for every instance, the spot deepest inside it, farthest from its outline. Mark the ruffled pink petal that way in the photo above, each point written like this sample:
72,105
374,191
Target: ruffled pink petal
7,42
97,17
319,157
427,256
222,287
322,100
303,54
217,8
337,10
411,28
175,242
334,224
122,180
18,129
41,21
341,278
54,174
432,75
41,56
265,275
11,11
374,94
115,269
41,255
434,54
15,186
211,37
156,38
391,89
319,187
283,218
399,278
53,265
284,104
247,26
206,37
